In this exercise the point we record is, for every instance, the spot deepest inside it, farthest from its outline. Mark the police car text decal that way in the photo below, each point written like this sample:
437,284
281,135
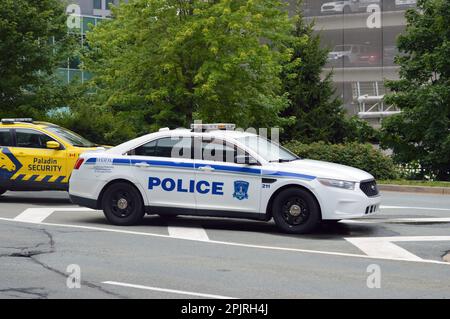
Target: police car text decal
201,187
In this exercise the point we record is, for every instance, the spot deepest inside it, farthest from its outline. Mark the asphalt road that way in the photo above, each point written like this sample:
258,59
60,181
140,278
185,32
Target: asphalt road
42,234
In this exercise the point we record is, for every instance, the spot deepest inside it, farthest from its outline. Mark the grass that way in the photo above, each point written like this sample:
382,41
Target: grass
415,183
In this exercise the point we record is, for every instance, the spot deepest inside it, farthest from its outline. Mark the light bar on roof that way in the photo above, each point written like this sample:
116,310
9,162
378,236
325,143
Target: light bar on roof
213,126
12,121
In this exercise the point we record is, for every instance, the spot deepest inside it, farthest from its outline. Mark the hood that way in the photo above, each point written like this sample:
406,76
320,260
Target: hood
324,170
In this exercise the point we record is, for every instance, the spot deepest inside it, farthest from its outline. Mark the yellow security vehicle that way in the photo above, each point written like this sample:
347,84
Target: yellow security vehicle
38,155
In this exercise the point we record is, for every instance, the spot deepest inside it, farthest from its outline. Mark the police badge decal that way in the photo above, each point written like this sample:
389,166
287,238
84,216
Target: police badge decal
240,190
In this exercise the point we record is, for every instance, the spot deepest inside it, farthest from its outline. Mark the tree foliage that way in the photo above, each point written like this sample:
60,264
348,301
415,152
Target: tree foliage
421,133
176,61
33,41
359,155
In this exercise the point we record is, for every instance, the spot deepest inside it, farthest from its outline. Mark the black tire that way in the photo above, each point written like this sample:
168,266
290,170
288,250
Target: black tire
296,211
2,191
122,204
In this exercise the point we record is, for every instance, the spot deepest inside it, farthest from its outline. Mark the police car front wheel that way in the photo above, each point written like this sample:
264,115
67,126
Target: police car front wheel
122,204
296,211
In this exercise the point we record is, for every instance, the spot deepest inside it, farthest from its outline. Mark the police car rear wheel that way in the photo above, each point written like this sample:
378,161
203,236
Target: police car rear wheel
122,204
296,211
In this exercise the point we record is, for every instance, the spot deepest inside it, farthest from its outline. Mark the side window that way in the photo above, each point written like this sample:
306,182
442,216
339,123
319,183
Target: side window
31,139
6,138
148,149
222,151
218,150
177,147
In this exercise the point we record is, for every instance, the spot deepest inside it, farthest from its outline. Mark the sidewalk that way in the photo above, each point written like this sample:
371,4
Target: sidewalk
414,189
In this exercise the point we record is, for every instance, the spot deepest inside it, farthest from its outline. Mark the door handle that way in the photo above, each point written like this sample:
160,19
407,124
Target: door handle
142,164
206,168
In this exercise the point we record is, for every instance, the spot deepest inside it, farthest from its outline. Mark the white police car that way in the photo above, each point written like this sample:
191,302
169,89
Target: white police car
213,170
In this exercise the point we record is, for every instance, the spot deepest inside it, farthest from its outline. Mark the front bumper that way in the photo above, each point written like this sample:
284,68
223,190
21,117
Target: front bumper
338,203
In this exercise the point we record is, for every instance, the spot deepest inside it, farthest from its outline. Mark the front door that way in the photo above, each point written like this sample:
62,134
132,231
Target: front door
37,162
227,187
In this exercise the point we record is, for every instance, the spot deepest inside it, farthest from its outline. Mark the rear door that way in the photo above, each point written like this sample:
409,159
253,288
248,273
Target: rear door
165,169
38,163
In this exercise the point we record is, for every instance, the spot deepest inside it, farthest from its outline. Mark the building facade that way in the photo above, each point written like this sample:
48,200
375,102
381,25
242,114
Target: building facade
83,14
360,34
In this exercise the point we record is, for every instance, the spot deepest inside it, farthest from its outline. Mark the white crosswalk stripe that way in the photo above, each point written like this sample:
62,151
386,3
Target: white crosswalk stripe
38,215
194,233
384,247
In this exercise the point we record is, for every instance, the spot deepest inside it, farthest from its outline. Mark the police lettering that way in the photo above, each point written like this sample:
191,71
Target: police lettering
201,187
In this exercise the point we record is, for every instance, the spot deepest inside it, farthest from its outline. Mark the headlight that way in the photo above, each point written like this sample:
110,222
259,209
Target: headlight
337,183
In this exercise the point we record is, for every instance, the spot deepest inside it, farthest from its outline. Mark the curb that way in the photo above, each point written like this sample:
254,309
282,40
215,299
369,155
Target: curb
414,189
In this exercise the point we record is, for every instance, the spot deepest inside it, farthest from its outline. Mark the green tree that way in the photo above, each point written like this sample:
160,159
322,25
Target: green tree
33,41
175,61
317,112
421,132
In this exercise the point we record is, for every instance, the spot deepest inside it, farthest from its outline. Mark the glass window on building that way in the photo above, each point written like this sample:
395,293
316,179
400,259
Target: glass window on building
88,23
97,4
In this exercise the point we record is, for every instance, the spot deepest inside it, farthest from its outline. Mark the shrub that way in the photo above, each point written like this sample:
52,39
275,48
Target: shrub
362,156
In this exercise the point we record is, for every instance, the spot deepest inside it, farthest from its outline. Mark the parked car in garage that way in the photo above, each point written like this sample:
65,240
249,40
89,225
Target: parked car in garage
347,54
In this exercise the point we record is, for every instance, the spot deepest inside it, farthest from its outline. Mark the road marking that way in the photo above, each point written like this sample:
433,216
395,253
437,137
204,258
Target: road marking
214,242
384,246
412,207
38,215
398,220
423,220
376,247
194,233
172,291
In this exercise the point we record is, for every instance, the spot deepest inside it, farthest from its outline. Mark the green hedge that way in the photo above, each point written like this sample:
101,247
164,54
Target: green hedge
362,156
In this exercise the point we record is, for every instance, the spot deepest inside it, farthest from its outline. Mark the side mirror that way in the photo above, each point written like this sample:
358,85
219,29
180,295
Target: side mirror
245,159
53,145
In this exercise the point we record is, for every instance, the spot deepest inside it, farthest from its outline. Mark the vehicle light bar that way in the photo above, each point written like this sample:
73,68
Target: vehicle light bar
213,126
12,121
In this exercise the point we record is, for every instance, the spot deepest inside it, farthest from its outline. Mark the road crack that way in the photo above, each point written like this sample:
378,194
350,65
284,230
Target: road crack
38,292
33,254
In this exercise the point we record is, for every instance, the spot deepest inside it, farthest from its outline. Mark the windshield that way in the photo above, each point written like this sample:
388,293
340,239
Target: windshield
268,150
70,137
341,48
